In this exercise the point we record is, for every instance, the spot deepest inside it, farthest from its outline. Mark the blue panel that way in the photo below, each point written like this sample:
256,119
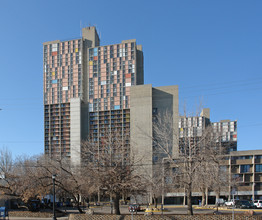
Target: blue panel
95,51
117,107
54,81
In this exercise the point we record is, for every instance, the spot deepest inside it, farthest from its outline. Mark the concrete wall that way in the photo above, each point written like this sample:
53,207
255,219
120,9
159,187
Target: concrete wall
165,99
75,130
141,127
162,217
143,99
139,65
90,34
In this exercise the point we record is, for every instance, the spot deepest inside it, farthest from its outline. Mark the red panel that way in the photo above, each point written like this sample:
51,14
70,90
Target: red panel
54,53
95,58
128,75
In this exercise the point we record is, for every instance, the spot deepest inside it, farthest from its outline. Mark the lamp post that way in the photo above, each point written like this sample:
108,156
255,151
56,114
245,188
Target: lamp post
53,178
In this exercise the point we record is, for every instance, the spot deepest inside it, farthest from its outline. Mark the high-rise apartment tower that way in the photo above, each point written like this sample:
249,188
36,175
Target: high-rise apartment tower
87,90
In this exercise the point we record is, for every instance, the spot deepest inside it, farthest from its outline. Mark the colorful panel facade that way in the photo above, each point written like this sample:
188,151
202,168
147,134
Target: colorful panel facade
62,81
62,71
112,70
101,76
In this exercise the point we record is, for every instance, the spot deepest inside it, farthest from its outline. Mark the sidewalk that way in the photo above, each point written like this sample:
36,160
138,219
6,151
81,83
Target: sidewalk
32,218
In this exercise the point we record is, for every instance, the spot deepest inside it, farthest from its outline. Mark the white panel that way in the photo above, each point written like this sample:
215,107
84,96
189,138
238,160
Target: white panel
75,130
128,84
65,88
54,47
103,82
120,51
115,72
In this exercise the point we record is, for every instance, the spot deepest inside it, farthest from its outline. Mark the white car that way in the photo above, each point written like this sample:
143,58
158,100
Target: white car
258,203
230,202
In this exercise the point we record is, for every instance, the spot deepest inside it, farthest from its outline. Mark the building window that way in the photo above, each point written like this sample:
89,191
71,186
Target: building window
244,168
154,111
244,157
258,168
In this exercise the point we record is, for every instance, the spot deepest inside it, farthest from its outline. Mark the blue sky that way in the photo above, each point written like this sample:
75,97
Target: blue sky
211,49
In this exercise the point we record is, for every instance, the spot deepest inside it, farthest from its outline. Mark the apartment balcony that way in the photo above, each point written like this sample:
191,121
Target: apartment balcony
235,170
118,112
244,188
258,177
244,161
249,178
224,162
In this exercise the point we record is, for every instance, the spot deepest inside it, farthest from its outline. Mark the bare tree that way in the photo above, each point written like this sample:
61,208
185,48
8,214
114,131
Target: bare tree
197,164
109,163
20,177
184,165
69,181
211,174
8,175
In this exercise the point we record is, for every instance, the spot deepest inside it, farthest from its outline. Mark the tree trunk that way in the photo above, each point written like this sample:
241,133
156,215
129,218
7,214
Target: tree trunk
116,208
189,201
155,201
78,204
217,198
203,198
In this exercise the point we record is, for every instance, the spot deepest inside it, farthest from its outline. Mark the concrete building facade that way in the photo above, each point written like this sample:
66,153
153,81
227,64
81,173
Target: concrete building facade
244,171
147,105
225,131
90,90
245,168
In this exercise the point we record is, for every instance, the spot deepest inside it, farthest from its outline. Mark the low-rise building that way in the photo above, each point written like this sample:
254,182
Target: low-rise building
244,180
245,168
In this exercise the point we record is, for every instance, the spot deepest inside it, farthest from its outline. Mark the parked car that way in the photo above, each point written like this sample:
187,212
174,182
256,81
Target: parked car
253,206
230,202
134,208
244,204
258,203
34,205
220,202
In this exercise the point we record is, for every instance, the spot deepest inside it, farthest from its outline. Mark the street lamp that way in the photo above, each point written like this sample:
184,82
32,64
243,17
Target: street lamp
53,178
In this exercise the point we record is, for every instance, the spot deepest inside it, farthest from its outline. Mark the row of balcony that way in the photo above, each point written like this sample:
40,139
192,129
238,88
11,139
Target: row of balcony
112,112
